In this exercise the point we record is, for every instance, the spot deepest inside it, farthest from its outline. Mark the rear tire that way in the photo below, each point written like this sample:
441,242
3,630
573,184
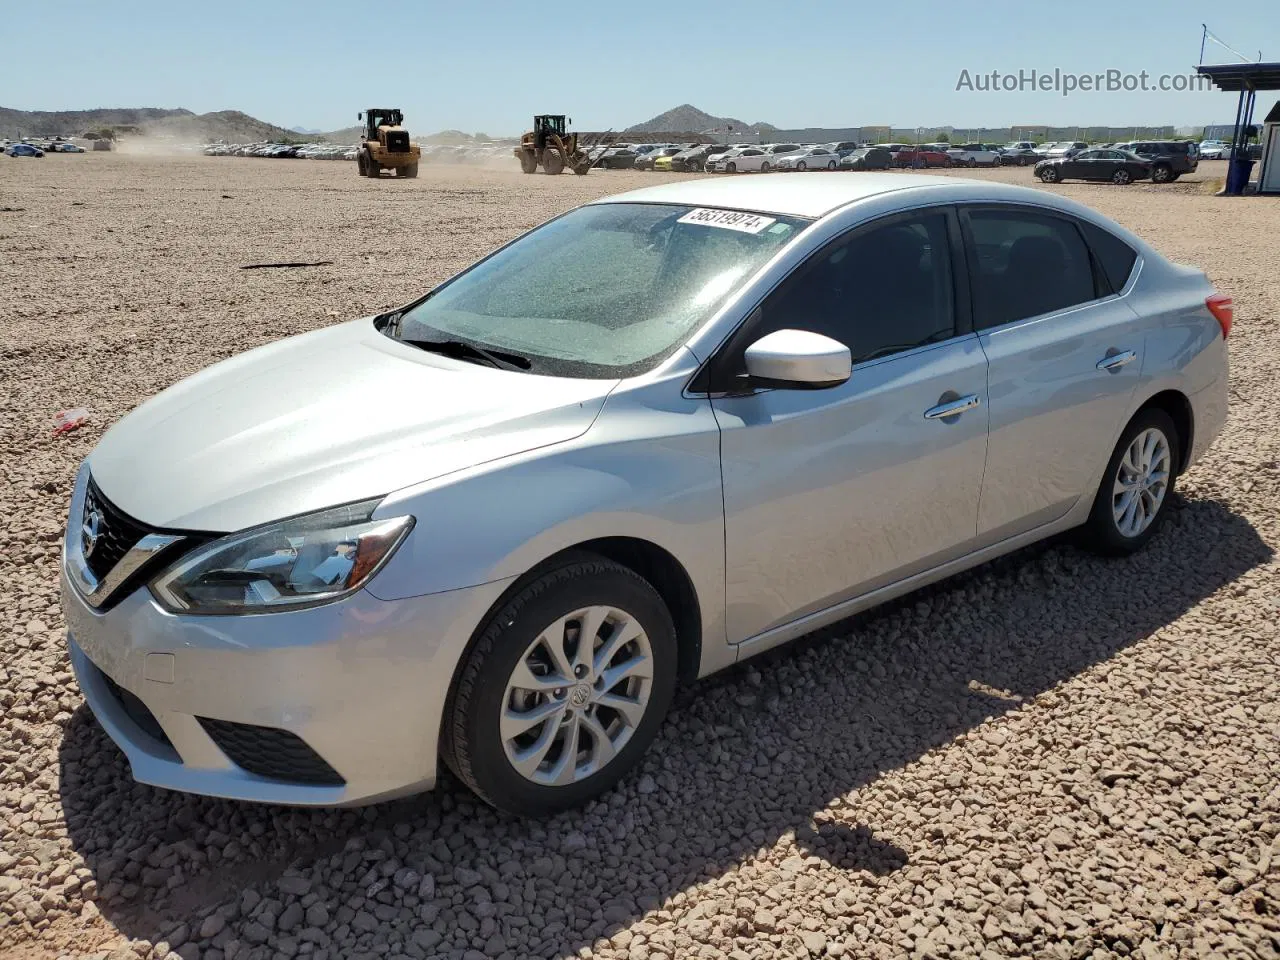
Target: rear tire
1104,531
408,172
831,164
515,645
1162,173
764,167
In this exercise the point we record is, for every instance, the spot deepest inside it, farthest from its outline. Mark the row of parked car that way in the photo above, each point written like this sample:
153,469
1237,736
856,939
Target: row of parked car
477,152
751,157
278,151
26,148
847,155
1161,161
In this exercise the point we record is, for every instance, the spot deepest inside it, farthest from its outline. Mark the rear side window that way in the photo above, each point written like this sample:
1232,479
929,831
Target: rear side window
1024,264
1114,255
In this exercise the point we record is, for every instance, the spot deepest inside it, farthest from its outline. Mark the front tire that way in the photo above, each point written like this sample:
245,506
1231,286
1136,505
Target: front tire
1133,497
538,721
802,166
552,162
1049,175
731,168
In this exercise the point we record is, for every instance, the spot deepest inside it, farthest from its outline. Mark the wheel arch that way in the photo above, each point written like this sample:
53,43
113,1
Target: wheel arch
1177,405
657,565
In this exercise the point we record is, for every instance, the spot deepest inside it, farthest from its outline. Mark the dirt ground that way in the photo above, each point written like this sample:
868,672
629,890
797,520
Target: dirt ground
1052,756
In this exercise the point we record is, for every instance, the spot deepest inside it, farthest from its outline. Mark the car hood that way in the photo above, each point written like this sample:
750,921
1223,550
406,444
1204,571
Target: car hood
329,417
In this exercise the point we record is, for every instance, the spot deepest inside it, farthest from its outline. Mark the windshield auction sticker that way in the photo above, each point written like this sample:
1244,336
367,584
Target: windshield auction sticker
728,220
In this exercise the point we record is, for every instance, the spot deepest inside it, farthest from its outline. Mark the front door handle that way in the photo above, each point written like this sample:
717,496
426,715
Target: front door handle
953,408
1116,360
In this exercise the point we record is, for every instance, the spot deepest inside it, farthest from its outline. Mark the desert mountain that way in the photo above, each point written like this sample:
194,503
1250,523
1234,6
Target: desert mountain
72,123
687,118
182,125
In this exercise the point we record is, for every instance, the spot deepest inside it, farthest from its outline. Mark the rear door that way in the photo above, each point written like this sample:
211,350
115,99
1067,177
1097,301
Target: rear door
831,493
1065,356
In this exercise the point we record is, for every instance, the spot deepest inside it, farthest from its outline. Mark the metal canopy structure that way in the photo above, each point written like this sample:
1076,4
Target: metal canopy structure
1242,76
1246,79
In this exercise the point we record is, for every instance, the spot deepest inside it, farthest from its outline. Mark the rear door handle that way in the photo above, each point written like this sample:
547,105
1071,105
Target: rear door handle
1117,360
953,408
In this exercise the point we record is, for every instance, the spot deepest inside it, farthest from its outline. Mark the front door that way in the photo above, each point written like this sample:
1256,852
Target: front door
831,493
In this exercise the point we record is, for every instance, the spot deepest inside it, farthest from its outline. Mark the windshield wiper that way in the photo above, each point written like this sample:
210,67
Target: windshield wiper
464,350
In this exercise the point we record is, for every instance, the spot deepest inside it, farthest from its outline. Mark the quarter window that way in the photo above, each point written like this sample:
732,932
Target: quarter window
1115,256
1026,264
882,290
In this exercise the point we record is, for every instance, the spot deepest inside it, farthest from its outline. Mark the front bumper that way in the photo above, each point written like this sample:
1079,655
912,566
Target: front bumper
361,682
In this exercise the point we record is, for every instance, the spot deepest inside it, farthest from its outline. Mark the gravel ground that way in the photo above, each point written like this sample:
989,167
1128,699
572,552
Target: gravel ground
1052,756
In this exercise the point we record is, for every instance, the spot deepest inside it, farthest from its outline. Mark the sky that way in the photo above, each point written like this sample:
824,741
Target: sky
489,65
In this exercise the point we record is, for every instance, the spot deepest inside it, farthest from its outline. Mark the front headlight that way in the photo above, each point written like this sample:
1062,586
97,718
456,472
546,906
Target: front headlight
295,563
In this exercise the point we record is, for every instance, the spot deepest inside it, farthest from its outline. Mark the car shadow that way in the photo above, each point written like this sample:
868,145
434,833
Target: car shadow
766,750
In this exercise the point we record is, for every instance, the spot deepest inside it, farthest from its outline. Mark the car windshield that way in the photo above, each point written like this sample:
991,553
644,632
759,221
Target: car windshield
605,291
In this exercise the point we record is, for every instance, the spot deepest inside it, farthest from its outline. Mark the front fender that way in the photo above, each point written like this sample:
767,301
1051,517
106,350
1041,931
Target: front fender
646,469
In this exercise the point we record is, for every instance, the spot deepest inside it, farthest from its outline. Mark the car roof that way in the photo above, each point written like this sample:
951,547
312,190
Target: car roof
817,194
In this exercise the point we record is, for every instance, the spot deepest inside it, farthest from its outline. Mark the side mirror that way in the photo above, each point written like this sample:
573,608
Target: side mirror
798,360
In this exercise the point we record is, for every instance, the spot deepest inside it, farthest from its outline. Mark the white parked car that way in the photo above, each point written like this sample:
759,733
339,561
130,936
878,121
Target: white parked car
1213,149
1063,148
810,158
974,155
776,151
723,153
746,160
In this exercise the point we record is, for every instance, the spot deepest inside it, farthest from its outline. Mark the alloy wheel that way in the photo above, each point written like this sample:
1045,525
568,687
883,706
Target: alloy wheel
577,695
1141,482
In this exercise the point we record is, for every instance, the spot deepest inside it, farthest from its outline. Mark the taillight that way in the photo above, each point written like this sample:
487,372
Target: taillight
1220,306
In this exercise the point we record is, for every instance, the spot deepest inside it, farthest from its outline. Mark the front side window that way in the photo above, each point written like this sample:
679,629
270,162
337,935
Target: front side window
605,291
883,290
1027,264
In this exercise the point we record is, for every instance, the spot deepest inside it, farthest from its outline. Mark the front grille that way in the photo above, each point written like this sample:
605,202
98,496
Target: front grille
117,532
271,753
137,711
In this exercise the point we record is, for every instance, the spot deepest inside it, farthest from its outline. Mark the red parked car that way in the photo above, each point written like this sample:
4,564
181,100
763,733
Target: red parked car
912,156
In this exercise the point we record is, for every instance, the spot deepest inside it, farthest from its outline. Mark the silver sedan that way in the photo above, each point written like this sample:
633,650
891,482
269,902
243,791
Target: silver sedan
645,441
